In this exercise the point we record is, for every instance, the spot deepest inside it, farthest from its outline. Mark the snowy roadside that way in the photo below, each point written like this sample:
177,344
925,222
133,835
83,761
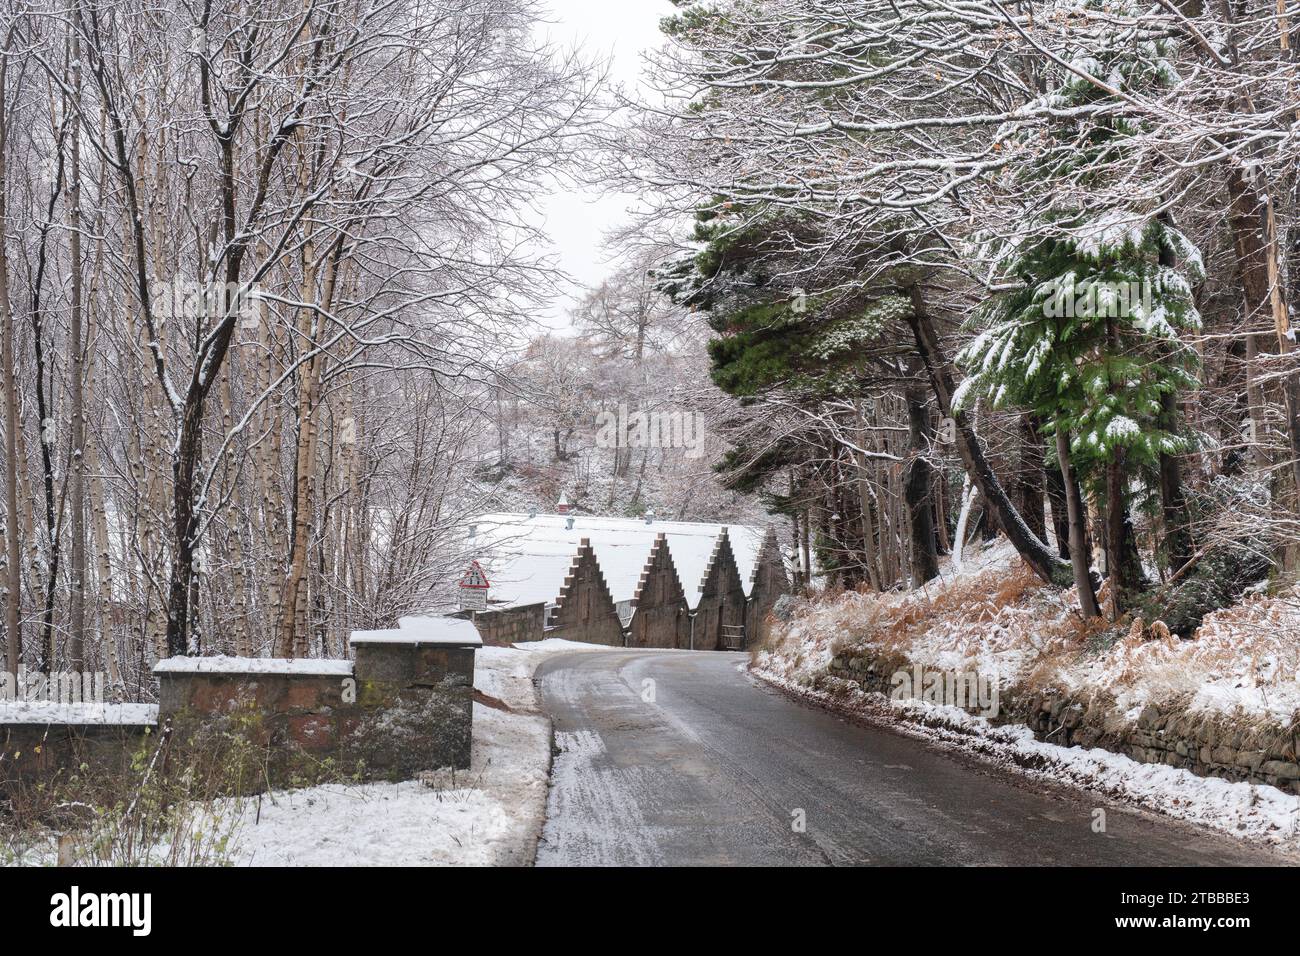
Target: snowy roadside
994,617
1255,812
489,815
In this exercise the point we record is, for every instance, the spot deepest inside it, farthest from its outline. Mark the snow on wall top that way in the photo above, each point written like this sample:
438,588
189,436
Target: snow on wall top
253,665
454,631
526,557
129,715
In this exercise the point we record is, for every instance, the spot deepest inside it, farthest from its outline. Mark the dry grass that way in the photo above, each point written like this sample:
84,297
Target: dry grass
1243,660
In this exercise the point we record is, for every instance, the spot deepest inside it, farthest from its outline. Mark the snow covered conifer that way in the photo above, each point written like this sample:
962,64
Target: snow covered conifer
1089,336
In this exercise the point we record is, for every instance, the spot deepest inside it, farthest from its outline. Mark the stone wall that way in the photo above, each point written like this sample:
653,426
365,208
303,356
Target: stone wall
584,610
37,752
722,599
1207,744
417,708
661,615
406,706
501,627
300,718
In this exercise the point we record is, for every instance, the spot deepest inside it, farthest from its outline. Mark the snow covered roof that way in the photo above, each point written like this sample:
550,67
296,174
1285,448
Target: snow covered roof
526,557
454,631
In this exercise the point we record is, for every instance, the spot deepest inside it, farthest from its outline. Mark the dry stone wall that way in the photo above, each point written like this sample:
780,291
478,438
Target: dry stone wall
1207,744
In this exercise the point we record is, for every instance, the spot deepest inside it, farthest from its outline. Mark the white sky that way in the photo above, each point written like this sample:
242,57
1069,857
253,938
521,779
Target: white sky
577,220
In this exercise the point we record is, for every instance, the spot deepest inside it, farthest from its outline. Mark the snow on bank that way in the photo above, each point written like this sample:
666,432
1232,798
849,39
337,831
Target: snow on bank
1244,659
995,618
507,672
1250,811
475,817
489,815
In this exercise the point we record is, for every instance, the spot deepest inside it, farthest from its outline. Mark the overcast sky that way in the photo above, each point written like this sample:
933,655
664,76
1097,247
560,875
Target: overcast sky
576,221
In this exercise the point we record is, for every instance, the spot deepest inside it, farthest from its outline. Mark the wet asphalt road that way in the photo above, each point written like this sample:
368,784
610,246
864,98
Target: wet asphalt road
717,767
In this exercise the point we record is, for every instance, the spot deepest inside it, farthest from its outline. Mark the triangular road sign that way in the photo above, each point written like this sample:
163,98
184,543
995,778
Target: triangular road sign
474,577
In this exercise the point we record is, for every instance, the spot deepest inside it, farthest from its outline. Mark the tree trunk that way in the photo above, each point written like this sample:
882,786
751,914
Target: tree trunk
807,549
103,561
77,493
968,495
1055,486
919,490
941,512
1035,553
14,557
1029,479
1080,559
1116,527
184,526
1254,235
1178,544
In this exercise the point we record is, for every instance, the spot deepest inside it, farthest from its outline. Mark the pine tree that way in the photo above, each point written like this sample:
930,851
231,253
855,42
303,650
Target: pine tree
1090,338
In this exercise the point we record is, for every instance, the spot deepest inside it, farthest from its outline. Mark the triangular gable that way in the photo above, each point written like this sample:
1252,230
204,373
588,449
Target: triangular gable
659,583
662,613
769,574
722,575
584,610
769,582
720,613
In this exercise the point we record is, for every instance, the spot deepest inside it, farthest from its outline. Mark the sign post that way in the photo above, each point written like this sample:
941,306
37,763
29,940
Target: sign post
474,589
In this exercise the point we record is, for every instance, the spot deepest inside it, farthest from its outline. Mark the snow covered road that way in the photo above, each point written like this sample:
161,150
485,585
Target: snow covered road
679,757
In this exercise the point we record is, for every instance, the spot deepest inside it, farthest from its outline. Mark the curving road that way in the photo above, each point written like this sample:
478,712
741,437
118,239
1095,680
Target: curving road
717,769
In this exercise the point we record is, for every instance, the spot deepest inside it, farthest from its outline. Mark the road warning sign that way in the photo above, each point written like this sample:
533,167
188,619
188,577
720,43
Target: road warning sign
474,577
473,589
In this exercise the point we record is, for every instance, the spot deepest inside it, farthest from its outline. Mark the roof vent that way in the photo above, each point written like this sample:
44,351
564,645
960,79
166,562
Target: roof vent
532,512
568,523
649,516
473,530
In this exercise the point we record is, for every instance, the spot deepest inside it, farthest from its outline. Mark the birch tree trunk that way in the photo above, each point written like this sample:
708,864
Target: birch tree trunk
14,584
77,493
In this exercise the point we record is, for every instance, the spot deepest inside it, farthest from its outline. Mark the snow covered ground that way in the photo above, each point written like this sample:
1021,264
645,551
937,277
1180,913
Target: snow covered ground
484,816
489,815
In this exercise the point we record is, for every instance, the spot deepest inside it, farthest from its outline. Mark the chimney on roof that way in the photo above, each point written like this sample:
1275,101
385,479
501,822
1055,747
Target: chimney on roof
562,506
